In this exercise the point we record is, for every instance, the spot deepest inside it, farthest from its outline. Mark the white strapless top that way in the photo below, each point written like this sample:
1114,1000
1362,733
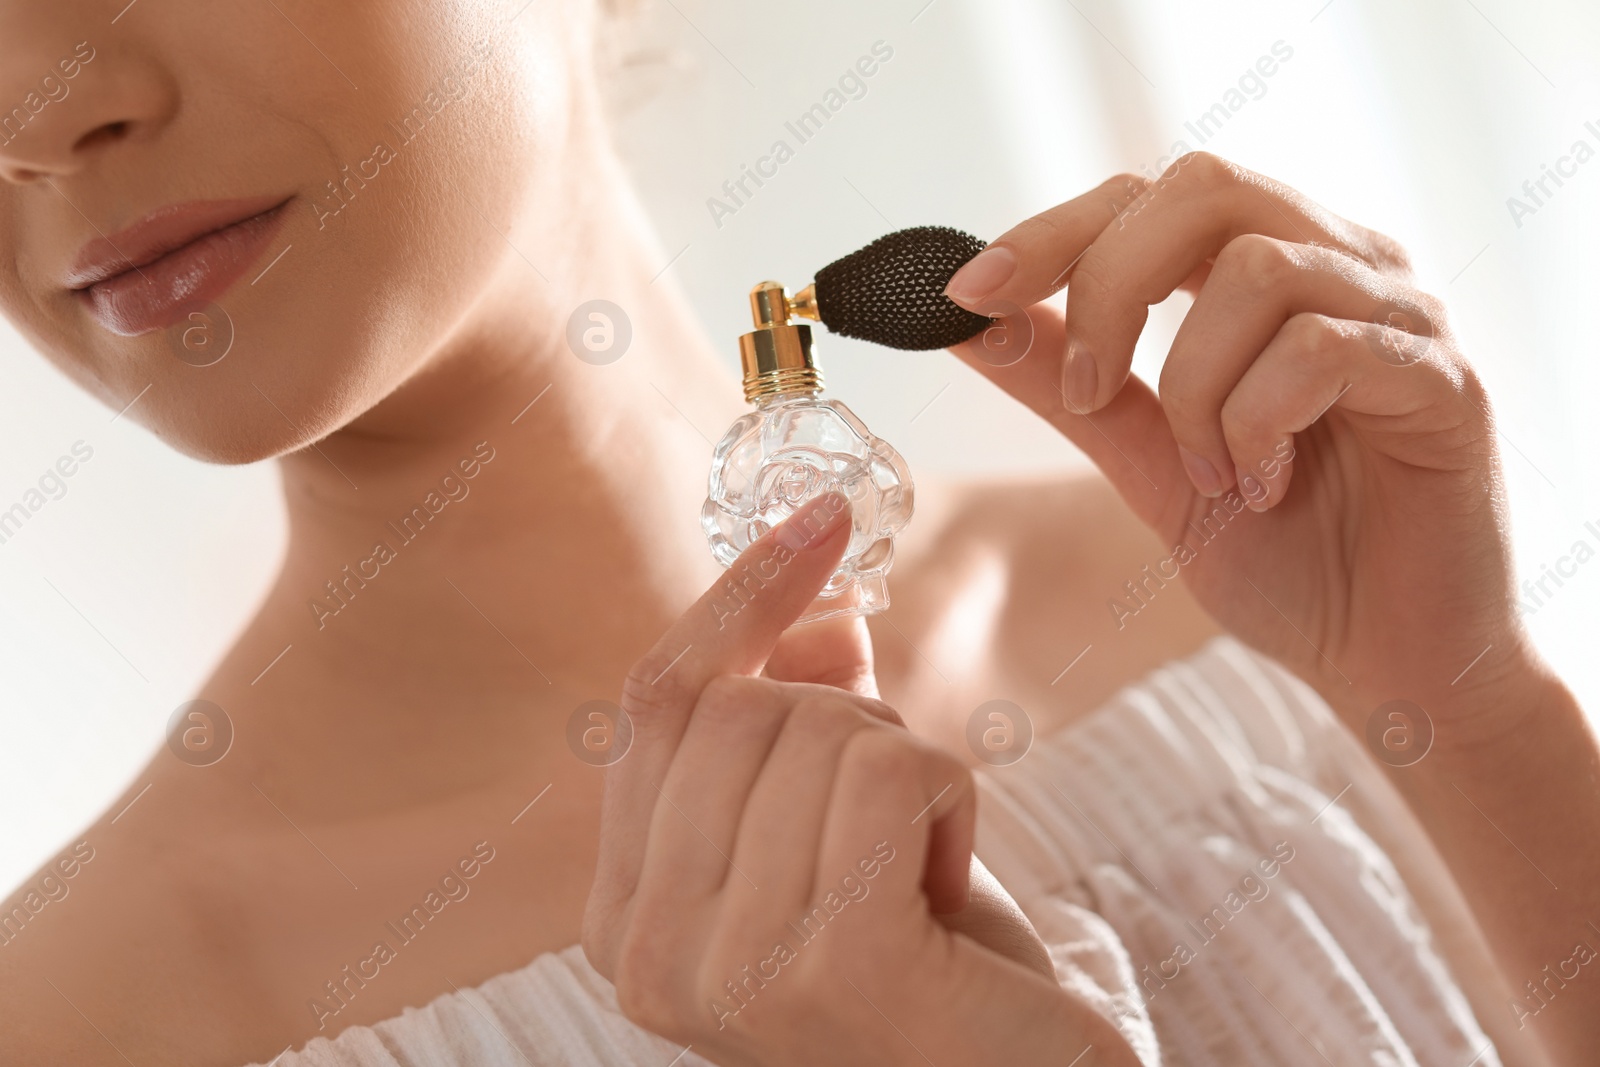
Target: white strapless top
1212,861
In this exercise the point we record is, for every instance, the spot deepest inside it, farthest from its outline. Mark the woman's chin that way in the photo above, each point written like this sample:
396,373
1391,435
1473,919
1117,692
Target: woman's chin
230,443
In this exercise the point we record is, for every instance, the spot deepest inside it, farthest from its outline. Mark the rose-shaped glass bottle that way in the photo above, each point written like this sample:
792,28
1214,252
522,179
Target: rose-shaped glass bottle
795,446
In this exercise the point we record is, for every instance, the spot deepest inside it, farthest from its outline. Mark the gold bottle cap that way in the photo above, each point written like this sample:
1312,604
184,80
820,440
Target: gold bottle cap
776,355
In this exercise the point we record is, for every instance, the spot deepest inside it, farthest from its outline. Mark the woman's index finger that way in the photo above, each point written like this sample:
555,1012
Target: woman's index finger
736,623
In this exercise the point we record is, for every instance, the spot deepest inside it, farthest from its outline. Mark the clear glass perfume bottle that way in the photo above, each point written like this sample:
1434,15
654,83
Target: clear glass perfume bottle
795,446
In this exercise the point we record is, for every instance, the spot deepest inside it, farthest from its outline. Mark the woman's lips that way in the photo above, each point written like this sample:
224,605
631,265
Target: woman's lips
174,261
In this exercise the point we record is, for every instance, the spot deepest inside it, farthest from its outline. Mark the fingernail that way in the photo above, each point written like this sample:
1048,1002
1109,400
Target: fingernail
1251,487
813,521
1201,472
1079,379
982,275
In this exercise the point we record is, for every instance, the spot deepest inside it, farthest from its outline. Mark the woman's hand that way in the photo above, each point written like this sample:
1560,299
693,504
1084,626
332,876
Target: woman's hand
776,850
1320,457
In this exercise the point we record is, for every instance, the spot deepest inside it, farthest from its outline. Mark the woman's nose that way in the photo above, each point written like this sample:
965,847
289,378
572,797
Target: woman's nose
63,107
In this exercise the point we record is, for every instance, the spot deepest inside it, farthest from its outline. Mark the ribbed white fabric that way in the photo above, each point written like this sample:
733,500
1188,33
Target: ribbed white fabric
1157,807
1122,838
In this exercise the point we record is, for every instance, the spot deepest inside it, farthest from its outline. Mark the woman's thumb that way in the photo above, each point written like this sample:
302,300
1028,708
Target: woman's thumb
836,652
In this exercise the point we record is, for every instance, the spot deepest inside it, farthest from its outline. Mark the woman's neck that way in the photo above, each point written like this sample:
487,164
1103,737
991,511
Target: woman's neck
495,542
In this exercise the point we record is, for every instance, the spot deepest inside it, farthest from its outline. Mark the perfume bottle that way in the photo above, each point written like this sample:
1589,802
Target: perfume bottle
796,445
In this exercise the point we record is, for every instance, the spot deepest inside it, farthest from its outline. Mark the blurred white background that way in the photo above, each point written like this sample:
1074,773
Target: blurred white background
1420,120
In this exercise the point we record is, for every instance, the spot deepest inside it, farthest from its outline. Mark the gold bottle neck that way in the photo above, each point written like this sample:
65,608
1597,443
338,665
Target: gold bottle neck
776,356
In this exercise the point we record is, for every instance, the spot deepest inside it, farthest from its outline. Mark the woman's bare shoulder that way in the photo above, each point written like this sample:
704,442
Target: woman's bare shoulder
1076,507
1011,588
103,947
55,1004
38,1023
1060,536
